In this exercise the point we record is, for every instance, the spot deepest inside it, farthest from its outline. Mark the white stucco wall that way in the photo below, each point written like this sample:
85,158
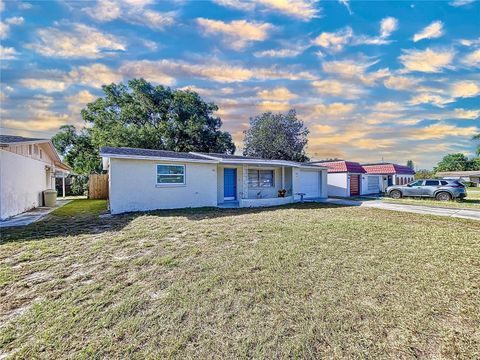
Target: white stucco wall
22,180
338,184
133,186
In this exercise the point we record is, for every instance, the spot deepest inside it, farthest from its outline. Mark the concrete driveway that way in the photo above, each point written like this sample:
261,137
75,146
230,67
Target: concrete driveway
428,210
31,216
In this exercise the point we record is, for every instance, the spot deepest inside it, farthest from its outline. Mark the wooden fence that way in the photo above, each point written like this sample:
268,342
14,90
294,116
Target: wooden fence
98,186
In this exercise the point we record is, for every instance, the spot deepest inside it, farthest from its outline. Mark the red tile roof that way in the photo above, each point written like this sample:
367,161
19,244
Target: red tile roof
388,169
343,166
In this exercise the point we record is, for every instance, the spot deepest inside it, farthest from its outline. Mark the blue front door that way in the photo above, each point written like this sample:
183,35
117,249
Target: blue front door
229,184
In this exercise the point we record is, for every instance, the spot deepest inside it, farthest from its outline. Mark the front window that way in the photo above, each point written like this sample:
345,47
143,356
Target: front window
170,174
260,178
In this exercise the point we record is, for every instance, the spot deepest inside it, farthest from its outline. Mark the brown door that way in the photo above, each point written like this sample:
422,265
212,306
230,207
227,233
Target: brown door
354,185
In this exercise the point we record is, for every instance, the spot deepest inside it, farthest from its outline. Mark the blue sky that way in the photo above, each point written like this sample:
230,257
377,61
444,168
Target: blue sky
372,80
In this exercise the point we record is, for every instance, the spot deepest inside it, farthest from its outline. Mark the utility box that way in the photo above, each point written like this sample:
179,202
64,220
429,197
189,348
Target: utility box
50,198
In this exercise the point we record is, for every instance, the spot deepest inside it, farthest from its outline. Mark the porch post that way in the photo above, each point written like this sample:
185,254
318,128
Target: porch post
245,182
63,184
283,177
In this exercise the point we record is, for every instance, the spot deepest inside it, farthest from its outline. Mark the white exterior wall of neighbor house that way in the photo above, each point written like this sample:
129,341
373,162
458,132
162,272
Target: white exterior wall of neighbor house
22,181
338,184
133,186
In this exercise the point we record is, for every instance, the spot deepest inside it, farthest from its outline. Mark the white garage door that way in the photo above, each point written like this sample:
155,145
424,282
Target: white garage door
373,184
310,183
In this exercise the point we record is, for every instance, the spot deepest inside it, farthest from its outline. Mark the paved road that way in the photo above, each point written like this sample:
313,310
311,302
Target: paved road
430,210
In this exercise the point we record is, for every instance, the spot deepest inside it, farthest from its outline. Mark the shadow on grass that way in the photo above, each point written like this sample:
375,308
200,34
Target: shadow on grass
82,217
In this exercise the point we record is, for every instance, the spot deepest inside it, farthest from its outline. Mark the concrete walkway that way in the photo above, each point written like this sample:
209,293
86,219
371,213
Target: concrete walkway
418,209
31,216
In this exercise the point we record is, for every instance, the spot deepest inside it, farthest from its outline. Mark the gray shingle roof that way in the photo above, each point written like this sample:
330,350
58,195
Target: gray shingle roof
12,139
149,153
227,156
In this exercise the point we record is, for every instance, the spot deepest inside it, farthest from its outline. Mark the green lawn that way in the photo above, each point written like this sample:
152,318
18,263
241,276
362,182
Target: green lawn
301,281
472,201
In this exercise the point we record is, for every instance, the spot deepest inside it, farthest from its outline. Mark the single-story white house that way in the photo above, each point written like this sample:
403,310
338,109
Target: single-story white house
344,177
390,174
143,179
349,178
470,176
27,168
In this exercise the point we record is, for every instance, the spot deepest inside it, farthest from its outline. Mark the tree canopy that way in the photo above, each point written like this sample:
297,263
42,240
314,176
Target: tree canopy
477,137
410,164
141,115
155,117
276,136
457,162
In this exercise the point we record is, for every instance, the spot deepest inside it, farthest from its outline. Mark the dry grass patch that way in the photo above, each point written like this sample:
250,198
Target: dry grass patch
306,281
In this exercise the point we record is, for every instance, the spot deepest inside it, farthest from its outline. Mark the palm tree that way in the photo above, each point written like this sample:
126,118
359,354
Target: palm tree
477,137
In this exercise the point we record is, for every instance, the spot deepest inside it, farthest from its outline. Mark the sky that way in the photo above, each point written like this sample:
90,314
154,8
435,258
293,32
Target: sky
372,80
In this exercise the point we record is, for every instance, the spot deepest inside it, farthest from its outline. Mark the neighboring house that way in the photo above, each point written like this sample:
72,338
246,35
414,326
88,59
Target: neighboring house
344,177
470,176
142,179
27,168
390,174
348,178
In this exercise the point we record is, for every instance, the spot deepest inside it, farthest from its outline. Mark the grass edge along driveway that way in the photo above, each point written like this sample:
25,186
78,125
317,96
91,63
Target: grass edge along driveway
302,281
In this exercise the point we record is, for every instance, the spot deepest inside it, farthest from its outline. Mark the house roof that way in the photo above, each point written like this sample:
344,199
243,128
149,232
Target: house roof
458,173
341,166
12,139
6,140
388,168
135,152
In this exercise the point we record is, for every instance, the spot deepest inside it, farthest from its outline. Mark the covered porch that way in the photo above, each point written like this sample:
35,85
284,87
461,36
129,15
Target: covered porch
253,185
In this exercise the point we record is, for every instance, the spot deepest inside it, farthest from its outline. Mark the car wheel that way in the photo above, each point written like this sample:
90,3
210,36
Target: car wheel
395,194
443,196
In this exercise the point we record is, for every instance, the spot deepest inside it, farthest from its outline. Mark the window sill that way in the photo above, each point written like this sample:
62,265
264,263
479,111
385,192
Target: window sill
169,185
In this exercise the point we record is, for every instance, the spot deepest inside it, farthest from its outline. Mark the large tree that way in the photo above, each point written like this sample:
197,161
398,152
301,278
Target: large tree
77,150
457,162
477,137
141,115
276,136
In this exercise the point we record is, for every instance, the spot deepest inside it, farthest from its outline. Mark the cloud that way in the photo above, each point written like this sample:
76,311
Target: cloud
333,110
428,60
36,114
464,89
472,59
432,31
282,53
425,98
133,12
77,102
457,3
5,25
355,70
8,53
466,114
338,88
401,82
95,75
48,85
274,106
324,129
304,10
346,3
440,131
278,94
237,34
469,42
75,41
334,41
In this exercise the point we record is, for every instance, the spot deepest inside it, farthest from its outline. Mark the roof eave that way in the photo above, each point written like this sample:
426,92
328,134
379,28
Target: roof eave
161,158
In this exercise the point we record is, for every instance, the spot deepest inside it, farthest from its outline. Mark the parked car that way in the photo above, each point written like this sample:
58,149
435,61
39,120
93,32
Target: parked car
439,189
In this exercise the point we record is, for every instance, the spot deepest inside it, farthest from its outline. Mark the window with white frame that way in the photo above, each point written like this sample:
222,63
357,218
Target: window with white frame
170,174
260,178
